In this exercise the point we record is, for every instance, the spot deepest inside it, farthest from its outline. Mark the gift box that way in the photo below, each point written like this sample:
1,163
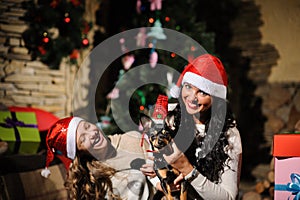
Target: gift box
286,153
19,130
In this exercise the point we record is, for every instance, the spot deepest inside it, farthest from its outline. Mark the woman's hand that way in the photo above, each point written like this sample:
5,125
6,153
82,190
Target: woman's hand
178,160
176,186
147,169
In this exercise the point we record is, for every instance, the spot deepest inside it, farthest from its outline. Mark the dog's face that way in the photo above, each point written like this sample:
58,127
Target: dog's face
160,134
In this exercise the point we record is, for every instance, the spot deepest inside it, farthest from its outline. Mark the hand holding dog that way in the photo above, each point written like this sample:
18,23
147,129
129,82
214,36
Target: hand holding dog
147,168
178,160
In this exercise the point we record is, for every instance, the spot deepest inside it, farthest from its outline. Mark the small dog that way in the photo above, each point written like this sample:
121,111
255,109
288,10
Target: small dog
160,135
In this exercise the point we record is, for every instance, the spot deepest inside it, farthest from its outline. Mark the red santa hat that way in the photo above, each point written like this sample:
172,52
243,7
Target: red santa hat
207,73
61,142
160,109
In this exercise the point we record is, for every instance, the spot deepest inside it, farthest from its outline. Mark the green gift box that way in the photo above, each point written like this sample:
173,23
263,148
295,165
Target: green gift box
19,130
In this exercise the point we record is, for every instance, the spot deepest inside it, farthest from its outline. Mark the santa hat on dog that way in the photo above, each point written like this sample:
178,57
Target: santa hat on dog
207,73
160,109
61,142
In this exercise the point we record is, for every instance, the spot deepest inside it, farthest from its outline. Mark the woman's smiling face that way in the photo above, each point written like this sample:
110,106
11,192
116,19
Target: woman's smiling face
195,100
90,139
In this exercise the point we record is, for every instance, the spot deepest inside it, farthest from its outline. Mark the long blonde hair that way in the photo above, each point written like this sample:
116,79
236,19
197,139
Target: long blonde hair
89,178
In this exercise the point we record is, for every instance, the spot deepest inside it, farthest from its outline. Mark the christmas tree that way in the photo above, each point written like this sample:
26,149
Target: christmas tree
156,14
56,30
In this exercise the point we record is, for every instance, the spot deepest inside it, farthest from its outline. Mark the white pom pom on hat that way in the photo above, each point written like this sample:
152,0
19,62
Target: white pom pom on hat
205,72
45,173
61,140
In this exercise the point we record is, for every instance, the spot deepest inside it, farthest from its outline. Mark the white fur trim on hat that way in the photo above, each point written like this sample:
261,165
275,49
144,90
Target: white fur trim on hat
71,137
205,85
175,91
158,121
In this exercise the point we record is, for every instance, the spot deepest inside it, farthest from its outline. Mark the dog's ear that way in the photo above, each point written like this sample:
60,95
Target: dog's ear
170,121
146,121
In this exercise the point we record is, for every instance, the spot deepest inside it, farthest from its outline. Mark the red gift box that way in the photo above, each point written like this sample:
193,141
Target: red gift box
286,145
287,166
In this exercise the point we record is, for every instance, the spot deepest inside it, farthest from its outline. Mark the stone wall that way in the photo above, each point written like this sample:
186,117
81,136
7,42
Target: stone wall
264,108
280,102
281,28
25,82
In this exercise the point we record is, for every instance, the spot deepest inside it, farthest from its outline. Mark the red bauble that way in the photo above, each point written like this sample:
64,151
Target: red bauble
54,3
86,28
42,50
74,54
75,2
85,42
46,39
67,19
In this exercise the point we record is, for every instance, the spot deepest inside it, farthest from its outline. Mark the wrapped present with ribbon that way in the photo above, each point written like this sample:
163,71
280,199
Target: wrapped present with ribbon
286,166
20,131
292,187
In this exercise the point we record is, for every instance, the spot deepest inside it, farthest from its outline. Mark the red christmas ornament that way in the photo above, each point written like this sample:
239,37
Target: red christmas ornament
151,20
67,18
74,54
54,3
86,28
75,2
85,42
42,50
46,39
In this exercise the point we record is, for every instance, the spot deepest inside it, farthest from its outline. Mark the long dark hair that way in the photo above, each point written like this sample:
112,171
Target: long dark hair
211,158
89,178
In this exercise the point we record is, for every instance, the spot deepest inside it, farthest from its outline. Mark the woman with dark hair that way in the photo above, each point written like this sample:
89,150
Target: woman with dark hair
207,147
99,167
